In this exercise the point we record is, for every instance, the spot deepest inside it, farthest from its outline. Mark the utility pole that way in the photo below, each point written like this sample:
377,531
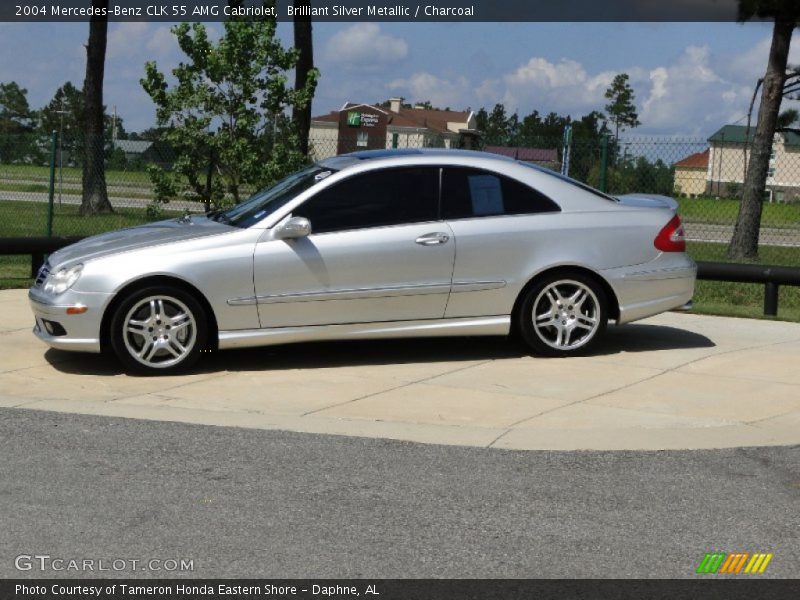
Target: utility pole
114,129
61,113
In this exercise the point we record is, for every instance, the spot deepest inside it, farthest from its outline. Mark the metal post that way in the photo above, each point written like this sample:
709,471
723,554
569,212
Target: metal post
603,162
60,164
567,150
114,129
61,112
719,171
771,299
37,260
54,146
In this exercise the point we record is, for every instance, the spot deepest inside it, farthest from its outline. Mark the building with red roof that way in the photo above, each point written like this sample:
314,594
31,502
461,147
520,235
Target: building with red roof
545,157
691,175
372,127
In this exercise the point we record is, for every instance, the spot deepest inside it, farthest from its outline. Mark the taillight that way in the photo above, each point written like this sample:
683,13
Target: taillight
671,238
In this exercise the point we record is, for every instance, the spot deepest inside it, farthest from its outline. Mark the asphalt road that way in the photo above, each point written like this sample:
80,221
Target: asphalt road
248,503
788,237
696,232
118,201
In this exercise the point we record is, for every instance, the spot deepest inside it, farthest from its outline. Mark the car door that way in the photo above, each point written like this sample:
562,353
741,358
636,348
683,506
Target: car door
503,227
376,253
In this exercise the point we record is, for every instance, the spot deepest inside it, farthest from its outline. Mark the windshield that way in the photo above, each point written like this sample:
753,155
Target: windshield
268,200
575,182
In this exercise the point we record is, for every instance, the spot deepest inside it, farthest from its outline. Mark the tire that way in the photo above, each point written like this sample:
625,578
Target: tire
572,311
158,330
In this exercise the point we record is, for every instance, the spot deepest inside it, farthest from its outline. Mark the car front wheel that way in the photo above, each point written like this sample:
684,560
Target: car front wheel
158,330
563,314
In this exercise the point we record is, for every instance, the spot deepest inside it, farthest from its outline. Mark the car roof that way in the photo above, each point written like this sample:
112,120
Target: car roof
343,161
571,194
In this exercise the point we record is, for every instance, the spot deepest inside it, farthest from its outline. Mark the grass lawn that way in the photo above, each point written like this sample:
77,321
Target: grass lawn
122,185
744,299
20,219
74,175
724,212
15,272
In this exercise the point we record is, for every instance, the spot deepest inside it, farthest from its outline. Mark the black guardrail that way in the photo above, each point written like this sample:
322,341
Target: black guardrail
772,276
36,247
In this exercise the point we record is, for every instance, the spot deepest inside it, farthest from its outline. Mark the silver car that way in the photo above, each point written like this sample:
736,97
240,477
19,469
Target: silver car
376,244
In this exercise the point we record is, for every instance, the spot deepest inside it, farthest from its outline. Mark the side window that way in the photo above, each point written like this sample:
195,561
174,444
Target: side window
388,197
475,193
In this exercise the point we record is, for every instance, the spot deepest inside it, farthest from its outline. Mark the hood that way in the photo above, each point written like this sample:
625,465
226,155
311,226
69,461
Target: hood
134,238
648,201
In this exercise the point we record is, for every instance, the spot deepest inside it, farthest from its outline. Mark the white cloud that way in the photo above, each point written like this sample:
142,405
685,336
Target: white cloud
597,85
162,42
751,64
489,92
140,40
425,86
563,86
539,72
126,39
364,44
691,95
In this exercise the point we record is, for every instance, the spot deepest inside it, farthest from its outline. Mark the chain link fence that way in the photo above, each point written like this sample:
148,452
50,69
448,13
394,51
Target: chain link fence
707,180
704,176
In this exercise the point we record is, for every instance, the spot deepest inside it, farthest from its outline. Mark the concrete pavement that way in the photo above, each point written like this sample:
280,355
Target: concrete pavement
676,381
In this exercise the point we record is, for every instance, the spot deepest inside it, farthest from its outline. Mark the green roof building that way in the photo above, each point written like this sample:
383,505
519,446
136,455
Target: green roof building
729,156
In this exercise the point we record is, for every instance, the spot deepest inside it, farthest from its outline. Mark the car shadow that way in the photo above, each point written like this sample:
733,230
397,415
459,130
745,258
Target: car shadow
313,355
643,337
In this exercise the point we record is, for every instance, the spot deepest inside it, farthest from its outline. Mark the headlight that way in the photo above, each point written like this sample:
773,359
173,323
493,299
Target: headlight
60,281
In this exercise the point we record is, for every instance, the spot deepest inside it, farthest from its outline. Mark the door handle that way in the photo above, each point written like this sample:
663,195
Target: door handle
433,239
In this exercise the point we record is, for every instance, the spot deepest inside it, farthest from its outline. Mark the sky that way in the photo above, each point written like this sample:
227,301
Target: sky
689,78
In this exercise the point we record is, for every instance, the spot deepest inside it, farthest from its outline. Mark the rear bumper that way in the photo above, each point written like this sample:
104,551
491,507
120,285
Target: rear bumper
645,290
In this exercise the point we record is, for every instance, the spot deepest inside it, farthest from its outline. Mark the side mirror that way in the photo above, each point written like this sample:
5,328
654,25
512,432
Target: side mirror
296,227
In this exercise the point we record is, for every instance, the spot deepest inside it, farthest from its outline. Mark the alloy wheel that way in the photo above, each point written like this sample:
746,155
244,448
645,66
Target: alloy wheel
159,331
566,315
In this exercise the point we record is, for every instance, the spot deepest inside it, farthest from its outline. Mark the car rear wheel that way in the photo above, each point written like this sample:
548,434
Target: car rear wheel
563,314
158,330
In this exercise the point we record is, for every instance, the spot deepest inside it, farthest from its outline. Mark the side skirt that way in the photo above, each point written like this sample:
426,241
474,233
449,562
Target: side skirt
497,325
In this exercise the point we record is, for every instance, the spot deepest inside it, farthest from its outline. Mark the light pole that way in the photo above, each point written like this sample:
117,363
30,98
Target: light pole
61,113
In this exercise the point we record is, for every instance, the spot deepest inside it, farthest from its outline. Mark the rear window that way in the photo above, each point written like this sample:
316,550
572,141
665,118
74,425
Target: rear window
468,193
570,180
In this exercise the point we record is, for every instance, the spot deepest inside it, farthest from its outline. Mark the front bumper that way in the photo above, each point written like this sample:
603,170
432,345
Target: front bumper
59,329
